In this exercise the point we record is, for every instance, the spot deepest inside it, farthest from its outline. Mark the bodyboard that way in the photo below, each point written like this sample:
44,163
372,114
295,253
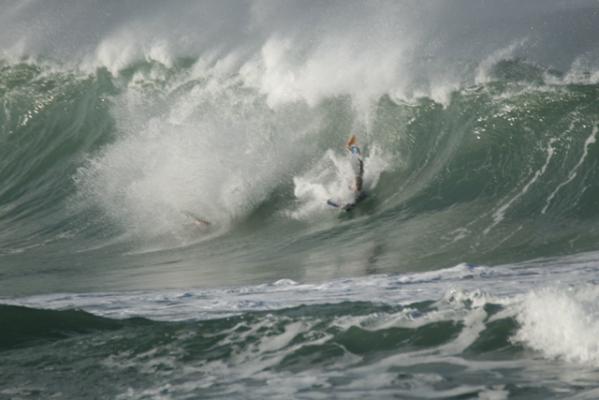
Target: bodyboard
197,220
346,206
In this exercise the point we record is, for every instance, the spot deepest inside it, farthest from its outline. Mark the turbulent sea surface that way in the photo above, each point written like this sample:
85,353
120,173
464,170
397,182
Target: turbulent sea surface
470,271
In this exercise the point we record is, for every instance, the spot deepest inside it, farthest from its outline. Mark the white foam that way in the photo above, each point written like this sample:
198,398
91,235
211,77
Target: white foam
583,70
331,178
331,69
212,149
484,70
289,52
497,392
562,323
461,287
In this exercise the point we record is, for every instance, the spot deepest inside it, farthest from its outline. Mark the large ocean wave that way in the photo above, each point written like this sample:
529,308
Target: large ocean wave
114,132
468,270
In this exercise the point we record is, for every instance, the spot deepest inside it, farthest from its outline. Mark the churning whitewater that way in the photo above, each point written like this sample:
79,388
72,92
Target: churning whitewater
164,177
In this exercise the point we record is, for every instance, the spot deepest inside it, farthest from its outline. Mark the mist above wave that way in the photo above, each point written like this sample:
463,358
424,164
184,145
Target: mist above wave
309,50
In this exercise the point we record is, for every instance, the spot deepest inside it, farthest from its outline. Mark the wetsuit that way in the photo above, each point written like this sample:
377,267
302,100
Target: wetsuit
357,165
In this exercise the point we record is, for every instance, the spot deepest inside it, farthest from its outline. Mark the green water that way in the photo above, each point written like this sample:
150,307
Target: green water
468,272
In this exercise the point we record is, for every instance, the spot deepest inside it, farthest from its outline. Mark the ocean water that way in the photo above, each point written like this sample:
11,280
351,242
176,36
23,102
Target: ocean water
470,271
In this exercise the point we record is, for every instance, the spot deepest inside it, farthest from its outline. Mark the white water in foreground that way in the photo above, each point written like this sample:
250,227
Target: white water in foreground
553,300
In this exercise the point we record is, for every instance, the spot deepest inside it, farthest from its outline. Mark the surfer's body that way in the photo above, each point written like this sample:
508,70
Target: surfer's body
357,185
357,165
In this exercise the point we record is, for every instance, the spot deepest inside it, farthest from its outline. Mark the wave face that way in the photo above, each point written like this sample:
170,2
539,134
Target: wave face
110,149
164,172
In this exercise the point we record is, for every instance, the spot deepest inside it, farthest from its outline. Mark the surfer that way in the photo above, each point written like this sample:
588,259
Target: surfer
357,165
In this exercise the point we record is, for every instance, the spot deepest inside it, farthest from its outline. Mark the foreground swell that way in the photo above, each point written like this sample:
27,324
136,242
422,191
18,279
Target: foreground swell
307,352
463,332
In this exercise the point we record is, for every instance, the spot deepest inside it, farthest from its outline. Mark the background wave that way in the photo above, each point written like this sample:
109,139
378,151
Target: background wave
111,132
